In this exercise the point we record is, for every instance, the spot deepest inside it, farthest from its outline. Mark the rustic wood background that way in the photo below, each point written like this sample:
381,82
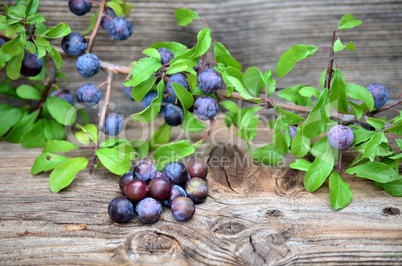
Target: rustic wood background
254,215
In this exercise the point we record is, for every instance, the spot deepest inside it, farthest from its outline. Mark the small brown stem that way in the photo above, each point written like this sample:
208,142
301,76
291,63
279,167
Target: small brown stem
96,26
339,160
328,76
50,81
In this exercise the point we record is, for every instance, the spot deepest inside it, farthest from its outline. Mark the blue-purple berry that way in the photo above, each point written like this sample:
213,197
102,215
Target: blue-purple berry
149,210
127,91
196,189
88,95
120,29
31,65
88,65
79,7
178,79
108,14
177,191
183,208
74,44
121,210
114,124
144,171
209,80
173,115
176,172
380,94
340,137
206,108
64,95
166,55
124,180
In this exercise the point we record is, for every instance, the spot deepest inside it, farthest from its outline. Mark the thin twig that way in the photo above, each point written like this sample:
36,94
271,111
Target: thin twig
49,85
96,26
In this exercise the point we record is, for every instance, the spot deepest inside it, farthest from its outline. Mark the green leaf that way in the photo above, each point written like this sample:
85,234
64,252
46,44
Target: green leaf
319,170
35,137
356,110
289,59
267,155
150,113
340,193
141,147
32,7
289,117
238,86
361,135
58,31
111,142
83,115
300,145
318,118
22,127
393,188
30,46
28,92
300,164
192,124
54,54
126,150
9,118
248,128
358,92
185,16
177,67
371,149
185,97
152,52
47,161
35,18
142,89
281,140
114,161
338,46
348,22
254,81
231,106
175,47
359,160
61,110
116,8
64,174
82,137
92,22
203,43
41,41
308,91
14,66
338,97
91,130
142,70
59,146
160,136
54,130
396,129
172,152
223,56
320,146
376,171
376,123
292,94
15,46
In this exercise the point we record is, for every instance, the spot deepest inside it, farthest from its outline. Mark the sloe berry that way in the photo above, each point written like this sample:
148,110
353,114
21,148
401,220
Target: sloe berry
183,208
160,188
31,65
177,191
149,210
88,65
113,124
196,189
178,79
88,94
198,67
176,172
107,14
209,80
120,29
148,98
124,180
79,7
380,94
340,137
144,171
127,92
166,55
74,44
64,95
121,210
197,168
173,115
2,41
205,108
136,190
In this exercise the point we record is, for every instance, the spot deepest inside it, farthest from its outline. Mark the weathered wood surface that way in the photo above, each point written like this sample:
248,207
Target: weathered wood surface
253,215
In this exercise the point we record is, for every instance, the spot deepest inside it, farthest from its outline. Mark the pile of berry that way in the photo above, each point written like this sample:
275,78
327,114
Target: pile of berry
177,187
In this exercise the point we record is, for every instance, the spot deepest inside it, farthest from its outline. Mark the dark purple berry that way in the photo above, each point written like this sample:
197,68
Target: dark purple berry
88,65
148,98
127,92
124,180
64,95
136,190
292,132
113,124
380,94
167,99
2,41
205,108
160,188
209,80
120,29
173,115
89,95
74,44
177,191
198,67
79,7
340,137
196,189
121,210
108,16
144,171
31,65
178,79
183,208
166,55
197,168
149,210
176,172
